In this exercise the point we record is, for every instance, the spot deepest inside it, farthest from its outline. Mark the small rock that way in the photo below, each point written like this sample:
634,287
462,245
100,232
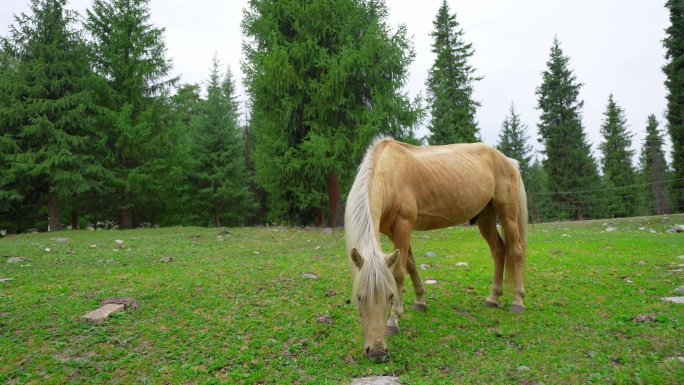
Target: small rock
462,264
566,235
523,368
98,316
671,231
120,244
673,299
675,271
166,260
17,259
48,250
679,228
324,319
642,228
644,317
610,229
309,275
641,263
318,247
376,380
6,279
680,289
327,230
60,239
430,281
681,257
652,231
430,254
424,266
93,246
128,302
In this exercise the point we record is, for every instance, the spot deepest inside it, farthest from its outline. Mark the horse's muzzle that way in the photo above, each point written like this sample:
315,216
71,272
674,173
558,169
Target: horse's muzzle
377,355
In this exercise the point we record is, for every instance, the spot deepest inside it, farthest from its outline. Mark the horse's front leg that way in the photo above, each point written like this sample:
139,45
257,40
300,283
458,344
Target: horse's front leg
419,304
401,237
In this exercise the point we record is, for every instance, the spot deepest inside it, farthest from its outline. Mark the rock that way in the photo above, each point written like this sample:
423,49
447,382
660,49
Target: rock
430,254
309,275
376,380
679,228
430,281
324,319
523,368
675,271
6,279
644,317
166,260
462,264
120,244
93,247
641,263
128,302
424,266
671,231
652,231
679,289
60,239
48,250
642,228
327,230
673,299
98,316
17,259
611,229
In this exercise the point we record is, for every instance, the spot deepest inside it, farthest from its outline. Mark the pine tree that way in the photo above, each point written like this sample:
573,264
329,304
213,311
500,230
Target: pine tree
617,157
48,115
221,180
450,84
569,164
143,147
674,82
324,77
514,142
653,167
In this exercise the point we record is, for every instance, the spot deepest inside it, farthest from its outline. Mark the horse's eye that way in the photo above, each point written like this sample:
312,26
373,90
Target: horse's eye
359,298
391,298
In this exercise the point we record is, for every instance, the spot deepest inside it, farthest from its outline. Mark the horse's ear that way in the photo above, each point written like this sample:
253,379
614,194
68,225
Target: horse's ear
392,259
356,258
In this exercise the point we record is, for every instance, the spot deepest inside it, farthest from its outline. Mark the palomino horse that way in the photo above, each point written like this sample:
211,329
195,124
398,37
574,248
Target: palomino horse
398,188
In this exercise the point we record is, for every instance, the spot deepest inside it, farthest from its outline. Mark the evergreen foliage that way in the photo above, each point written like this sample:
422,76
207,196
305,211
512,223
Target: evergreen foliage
653,168
450,84
47,116
144,151
514,142
220,180
674,82
324,77
617,158
569,164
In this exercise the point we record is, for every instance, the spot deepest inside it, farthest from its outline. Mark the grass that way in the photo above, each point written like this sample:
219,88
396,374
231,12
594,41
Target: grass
237,309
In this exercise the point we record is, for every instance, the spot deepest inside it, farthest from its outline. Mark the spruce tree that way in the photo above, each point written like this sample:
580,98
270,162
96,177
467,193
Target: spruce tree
674,82
220,179
653,168
450,84
514,142
48,112
617,157
142,145
324,77
570,167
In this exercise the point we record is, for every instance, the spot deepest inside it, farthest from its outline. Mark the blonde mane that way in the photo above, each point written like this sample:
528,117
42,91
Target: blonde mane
374,277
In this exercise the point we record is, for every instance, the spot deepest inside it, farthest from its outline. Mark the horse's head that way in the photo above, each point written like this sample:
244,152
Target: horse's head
374,290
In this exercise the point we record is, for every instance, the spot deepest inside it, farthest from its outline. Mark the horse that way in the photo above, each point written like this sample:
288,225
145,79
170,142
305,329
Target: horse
399,188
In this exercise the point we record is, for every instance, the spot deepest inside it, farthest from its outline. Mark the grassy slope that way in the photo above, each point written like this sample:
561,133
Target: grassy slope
238,310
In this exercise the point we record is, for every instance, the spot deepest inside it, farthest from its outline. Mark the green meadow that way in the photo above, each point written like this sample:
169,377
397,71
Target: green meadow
239,307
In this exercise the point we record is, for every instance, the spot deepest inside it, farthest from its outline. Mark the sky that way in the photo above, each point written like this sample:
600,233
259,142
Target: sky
615,47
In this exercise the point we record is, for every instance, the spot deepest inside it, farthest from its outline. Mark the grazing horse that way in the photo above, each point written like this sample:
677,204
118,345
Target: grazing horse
399,188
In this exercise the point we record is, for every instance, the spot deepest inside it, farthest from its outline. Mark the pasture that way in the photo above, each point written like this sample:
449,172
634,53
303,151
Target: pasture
238,308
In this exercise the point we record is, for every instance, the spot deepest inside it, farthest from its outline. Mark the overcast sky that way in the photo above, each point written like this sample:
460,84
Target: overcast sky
615,46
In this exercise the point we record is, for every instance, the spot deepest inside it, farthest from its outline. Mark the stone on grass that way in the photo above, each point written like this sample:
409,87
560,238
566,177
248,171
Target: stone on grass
642,228
462,264
673,299
6,279
671,231
376,380
309,275
680,289
523,368
679,228
424,266
166,260
430,281
430,254
128,302
97,317
60,239
17,259
644,317
327,230
610,229
641,263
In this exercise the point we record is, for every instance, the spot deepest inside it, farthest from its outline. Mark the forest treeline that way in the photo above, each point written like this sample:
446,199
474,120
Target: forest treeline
95,130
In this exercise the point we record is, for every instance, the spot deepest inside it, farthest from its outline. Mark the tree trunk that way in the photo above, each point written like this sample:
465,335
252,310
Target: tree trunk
320,219
335,199
74,219
126,218
217,221
578,213
53,211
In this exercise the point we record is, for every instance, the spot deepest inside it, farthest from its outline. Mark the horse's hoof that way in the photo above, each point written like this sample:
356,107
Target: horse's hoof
490,304
517,309
392,330
419,307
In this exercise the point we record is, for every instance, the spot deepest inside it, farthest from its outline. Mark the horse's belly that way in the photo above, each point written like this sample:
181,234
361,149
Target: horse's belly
442,218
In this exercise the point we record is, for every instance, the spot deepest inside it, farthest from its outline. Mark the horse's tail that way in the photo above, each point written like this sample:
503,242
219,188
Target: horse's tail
522,230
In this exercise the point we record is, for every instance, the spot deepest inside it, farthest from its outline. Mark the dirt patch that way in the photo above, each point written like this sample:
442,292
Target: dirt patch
644,318
128,302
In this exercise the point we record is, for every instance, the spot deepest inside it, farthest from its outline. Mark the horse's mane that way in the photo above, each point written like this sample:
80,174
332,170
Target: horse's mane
374,278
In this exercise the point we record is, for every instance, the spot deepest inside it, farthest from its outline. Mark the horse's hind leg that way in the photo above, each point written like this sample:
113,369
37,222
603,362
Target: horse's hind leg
419,304
487,225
